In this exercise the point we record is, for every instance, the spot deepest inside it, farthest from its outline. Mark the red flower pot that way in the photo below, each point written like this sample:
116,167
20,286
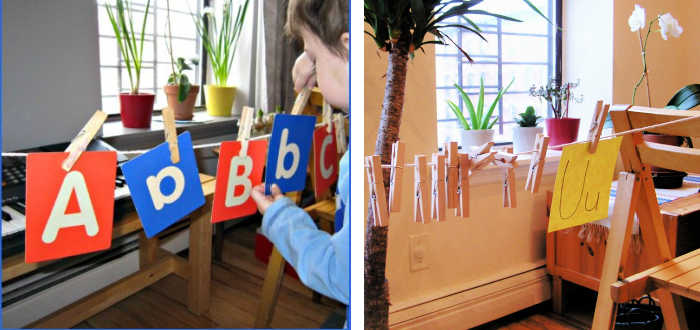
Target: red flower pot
561,130
136,109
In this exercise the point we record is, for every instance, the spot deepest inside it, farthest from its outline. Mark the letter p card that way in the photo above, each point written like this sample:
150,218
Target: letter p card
288,158
163,192
240,169
69,213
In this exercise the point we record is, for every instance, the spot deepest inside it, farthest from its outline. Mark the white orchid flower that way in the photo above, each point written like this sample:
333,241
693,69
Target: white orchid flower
670,25
638,18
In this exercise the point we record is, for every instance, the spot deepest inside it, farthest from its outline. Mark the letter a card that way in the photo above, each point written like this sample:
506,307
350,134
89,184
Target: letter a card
325,160
69,213
240,169
582,186
163,192
288,156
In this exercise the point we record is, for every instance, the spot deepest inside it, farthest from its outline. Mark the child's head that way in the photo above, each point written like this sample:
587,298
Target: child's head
323,27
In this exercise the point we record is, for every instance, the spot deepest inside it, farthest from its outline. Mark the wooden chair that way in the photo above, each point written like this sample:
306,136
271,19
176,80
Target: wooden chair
636,194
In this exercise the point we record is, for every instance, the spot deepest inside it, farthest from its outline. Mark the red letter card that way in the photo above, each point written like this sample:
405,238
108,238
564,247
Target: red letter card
325,160
240,169
69,213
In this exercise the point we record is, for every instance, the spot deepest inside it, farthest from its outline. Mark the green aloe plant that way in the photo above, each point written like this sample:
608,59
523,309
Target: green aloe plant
130,41
477,119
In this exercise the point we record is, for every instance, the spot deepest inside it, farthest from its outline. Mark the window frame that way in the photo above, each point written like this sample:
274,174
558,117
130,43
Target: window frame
554,63
200,72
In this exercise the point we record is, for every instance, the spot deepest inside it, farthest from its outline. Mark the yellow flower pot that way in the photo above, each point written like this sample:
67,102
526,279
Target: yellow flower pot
220,100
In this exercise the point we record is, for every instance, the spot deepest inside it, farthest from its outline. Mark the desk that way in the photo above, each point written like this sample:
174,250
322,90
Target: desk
575,260
155,264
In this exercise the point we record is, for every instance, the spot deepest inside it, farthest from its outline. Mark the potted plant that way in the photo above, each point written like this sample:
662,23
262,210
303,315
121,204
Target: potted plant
561,129
478,129
220,42
181,94
525,134
135,108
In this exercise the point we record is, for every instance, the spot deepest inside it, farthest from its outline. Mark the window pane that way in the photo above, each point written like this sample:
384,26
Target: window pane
447,70
444,95
110,104
109,81
474,45
524,49
449,131
109,51
524,76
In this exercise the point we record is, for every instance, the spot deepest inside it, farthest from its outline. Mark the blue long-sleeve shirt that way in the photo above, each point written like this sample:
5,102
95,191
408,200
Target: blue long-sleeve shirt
321,260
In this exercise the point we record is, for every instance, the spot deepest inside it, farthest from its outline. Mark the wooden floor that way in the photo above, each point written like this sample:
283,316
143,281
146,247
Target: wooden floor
538,317
235,289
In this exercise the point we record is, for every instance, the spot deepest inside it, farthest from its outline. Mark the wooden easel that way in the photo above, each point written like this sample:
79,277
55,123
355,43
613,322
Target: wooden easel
635,195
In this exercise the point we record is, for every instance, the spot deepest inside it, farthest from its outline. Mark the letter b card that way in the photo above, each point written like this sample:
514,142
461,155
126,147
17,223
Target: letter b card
240,169
69,213
290,146
163,192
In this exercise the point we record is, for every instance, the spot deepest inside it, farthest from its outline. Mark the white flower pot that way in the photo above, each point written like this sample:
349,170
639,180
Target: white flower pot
476,138
524,138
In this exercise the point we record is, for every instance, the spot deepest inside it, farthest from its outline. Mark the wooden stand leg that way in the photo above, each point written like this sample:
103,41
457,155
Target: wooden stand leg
200,260
615,252
218,241
148,249
557,295
670,305
270,290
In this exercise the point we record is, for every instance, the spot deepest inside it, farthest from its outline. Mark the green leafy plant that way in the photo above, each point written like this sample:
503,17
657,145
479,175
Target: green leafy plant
477,119
180,79
528,118
221,40
130,41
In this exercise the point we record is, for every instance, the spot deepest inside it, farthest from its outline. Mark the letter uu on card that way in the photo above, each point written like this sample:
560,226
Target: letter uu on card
163,192
69,213
240,169
582,187
289,151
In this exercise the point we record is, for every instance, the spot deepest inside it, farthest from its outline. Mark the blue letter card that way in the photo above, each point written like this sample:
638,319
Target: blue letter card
289,149
163,192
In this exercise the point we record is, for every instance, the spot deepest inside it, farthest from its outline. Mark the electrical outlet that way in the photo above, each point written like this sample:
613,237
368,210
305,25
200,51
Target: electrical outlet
418,252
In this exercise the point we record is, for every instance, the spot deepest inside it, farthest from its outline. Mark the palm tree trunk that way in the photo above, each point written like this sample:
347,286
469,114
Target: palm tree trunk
376,286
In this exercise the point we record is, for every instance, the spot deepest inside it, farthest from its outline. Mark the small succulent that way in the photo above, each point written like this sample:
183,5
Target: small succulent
178,77
528,118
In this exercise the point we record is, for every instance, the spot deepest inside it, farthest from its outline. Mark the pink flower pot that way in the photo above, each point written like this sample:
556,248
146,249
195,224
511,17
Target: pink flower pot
561,131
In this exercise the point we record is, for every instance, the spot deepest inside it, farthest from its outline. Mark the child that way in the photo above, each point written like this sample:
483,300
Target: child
321,260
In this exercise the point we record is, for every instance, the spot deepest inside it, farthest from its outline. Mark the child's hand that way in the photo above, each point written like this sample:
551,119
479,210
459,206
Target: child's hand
304,72
264,201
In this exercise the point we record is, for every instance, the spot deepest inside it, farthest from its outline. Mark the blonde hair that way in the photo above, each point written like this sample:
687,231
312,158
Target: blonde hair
327,19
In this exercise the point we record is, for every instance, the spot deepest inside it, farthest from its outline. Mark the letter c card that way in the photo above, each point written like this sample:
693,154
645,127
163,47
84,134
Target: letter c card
69,213
240,169
163,192
288,158
325,160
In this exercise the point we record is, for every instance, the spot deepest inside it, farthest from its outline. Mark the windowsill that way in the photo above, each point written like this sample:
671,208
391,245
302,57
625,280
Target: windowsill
492,173
119,136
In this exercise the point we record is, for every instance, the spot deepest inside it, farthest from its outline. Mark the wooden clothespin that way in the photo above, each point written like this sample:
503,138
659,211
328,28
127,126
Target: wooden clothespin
377,197
340,140
327,114
81,141
599,115
463,186
421,210
485,148
452,172
397,163
481,161
171,134
301,101
245,126
534,175
437,202
508,161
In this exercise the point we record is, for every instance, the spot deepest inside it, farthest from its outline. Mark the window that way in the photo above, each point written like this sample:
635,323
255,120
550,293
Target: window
156,62
523,51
